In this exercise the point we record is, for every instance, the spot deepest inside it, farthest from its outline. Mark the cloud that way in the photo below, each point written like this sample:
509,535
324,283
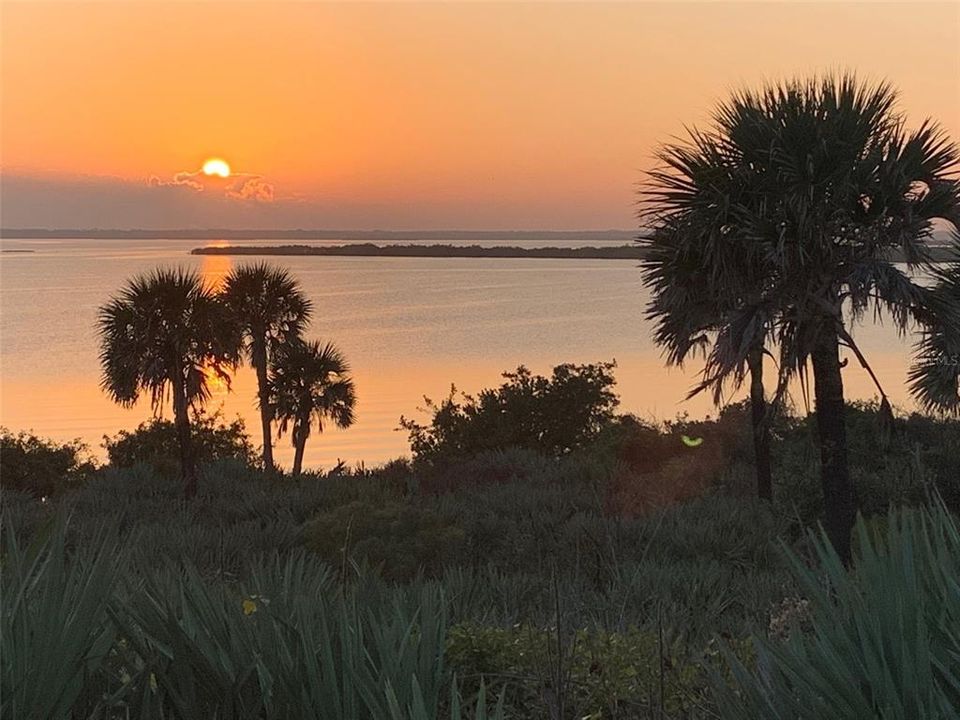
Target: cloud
238,186
250,187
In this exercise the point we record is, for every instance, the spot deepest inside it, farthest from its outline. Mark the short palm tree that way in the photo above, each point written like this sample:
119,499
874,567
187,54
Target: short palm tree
839,192
706,279
164,335
310,382
270,309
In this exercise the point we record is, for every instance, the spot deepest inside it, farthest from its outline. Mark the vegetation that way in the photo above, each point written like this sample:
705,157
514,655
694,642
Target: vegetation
621,252
169,332
270,309
42,468
879,641
155,444
778,224
165,335
552,415
310,382
392,593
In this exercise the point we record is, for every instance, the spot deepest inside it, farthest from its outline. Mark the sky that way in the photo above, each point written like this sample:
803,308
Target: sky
405,115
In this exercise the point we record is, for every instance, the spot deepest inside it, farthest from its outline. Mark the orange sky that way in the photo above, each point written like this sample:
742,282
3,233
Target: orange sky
400,115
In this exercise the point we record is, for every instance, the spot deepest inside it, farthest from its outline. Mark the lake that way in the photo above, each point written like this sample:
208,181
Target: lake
410,327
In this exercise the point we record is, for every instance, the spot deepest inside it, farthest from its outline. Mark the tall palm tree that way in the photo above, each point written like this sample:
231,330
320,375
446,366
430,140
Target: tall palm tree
841,192
310,381
165,334
707,280
270,309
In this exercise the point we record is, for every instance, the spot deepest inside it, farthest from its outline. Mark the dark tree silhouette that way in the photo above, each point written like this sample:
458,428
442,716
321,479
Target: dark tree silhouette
166,334
270,309
837,187
707,281
310,382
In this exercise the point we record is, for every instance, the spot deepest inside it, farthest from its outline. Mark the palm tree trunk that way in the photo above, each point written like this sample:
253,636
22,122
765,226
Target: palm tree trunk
299,446
181,419
301,431
259,358
839,503
761,425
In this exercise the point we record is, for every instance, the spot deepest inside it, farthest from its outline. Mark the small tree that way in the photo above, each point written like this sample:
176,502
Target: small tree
310,382
165,335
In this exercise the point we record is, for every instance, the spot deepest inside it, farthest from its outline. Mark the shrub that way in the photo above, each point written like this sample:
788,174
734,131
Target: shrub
883,639
552,415
154,443
593,674
39,467
401,539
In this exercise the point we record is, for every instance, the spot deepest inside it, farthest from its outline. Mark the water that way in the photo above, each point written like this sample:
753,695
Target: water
409,326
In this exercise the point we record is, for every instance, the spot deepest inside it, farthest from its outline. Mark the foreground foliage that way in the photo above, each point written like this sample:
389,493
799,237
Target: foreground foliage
881,640
95,632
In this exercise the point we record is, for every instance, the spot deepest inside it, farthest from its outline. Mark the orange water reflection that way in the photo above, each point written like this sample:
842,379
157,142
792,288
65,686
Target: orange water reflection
75,407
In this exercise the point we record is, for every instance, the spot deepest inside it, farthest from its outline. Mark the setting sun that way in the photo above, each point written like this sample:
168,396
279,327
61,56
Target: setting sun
216,166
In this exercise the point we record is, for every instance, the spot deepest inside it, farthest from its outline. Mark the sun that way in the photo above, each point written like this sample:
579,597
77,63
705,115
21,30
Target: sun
216,166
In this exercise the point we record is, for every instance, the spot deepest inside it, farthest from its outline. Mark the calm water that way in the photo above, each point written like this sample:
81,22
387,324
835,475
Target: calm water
410,327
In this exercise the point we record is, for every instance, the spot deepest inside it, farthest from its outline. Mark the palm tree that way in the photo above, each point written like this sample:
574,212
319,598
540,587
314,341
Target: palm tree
841,191
270,309
310,381
707,281
935,375
166,333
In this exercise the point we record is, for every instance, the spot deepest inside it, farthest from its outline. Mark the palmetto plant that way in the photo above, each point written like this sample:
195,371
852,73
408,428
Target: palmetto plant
270,309
310,382
835,189
882,641
165,335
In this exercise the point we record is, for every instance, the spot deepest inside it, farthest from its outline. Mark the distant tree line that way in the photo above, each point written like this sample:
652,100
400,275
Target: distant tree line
621,252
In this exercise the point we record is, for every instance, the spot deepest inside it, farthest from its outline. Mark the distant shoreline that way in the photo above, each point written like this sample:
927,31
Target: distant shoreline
343,235
622,252
619,252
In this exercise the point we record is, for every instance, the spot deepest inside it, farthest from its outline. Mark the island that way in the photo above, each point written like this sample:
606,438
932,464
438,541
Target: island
615,252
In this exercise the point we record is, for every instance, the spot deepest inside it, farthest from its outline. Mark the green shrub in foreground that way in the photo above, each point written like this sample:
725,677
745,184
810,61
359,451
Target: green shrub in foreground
884,637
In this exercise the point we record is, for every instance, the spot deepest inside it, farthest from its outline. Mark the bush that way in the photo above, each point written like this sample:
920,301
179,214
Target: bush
553,416
883,638
155,443
42,468
593,674
401,539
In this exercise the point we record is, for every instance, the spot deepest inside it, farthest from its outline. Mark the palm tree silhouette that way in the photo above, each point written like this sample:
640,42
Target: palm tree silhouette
707,281
310,381
164,334
270,309
935,374
837,190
